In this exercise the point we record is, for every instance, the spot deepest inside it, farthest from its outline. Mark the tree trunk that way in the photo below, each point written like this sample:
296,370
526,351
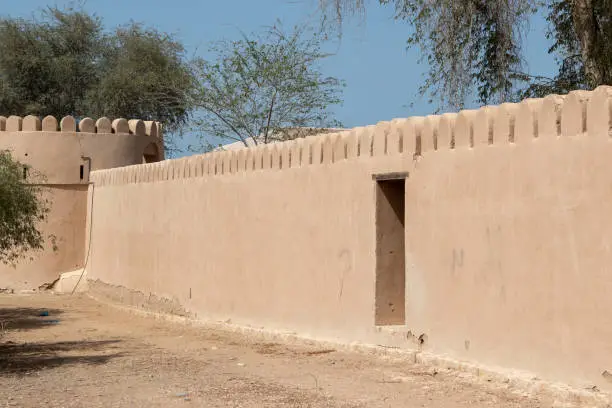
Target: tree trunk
585,25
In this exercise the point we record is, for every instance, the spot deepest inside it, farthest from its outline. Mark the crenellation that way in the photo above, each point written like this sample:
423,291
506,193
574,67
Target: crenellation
411,135
233,162
285,155
504,123
464,128
364,138
151,128
218,163
154,171
249,160
217,168
526,125
241,161
137,127
549,116
338,147
197,166
379,138
171,170
574,113
68,124
314,145
429,134
327,147
394,137
49,124
14,123
157,171
483,126
266,156
31,123
104,125
165,172
87,125
599,112
258,157
226,161
295,147
121,126
185,169
351,142
177,169
446,125
274,157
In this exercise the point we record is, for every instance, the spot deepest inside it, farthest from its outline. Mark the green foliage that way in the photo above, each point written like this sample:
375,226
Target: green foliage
581,31
22,209
266,87
65,63
143,75
46,66
473,47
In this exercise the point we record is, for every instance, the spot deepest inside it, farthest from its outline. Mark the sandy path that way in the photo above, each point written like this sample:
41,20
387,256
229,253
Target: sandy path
85,354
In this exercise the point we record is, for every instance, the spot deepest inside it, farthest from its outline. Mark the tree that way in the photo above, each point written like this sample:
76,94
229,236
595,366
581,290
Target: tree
22,209
65,63
143,75
47,65
474,46
265,87
581,31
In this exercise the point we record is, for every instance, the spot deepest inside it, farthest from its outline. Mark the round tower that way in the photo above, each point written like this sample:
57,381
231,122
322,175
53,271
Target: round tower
64,153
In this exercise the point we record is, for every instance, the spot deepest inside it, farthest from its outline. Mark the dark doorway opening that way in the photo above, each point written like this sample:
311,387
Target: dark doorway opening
390,252
150,154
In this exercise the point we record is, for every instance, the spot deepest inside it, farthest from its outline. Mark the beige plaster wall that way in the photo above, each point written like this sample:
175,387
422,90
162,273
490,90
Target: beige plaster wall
56,151
507,234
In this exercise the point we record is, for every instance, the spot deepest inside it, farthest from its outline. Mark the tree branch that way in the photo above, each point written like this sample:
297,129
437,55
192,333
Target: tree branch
242,139
270,116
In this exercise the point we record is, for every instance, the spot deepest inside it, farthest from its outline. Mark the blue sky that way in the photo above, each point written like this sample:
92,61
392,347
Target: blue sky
382,77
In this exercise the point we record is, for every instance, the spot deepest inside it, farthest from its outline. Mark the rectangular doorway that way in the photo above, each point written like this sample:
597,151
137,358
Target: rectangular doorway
390,294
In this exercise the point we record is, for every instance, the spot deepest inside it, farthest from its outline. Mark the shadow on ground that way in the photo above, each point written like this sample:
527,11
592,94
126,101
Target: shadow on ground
23,358
27,318
28,357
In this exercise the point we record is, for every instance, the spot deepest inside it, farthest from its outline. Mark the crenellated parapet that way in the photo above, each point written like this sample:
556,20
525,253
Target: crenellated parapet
555,116
65,151
86,125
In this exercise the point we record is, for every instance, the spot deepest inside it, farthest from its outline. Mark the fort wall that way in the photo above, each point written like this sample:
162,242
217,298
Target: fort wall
482,235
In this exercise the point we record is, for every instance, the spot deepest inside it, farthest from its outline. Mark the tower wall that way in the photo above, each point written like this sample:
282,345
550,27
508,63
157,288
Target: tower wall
60,156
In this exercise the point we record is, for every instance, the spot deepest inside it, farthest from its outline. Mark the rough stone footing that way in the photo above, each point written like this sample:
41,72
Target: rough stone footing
146,301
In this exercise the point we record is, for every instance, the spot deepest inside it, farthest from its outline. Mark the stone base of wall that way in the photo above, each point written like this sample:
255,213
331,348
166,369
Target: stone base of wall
69,282
146,301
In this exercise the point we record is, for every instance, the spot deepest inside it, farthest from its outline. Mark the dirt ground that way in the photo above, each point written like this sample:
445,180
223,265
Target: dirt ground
87,354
